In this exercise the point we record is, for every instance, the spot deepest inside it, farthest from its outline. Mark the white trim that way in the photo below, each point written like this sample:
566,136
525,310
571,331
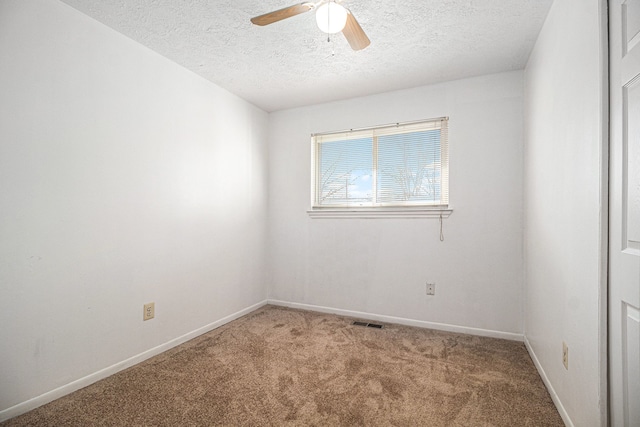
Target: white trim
379,212
603,267
61,391
554,396
401,320
389,125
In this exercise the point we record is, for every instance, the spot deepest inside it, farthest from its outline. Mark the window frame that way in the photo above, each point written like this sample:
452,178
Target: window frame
392,210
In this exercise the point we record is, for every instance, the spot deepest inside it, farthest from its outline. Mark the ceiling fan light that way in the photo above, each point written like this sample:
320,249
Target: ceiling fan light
331,17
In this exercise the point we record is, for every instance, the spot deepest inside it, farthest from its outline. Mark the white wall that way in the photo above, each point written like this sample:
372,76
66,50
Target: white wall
380,266
124,179
564,206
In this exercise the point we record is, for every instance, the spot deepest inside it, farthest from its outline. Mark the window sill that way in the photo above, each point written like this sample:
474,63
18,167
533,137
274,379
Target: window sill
424,212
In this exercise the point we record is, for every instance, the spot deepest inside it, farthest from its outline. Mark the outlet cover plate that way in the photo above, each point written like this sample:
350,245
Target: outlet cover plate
431,288
149,311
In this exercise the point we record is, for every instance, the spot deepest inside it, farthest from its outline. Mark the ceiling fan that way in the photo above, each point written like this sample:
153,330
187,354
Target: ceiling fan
331,18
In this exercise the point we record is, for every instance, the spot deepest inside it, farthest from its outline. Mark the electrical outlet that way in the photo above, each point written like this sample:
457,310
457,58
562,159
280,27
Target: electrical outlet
565,355
431,288
149,311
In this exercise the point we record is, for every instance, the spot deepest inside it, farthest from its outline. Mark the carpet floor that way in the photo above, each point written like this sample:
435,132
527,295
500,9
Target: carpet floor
279,366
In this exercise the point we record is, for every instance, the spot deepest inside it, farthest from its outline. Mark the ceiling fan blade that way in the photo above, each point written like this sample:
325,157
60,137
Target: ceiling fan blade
279,15
354,33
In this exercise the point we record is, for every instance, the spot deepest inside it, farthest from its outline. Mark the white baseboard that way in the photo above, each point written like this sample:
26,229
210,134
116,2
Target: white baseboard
547,383
57,393
61,391
401,320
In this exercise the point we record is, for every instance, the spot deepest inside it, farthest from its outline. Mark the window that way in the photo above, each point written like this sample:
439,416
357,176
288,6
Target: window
387,168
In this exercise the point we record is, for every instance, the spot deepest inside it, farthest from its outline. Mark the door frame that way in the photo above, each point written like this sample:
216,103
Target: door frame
603,280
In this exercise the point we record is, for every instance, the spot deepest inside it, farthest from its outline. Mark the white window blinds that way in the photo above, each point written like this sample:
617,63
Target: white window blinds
398,165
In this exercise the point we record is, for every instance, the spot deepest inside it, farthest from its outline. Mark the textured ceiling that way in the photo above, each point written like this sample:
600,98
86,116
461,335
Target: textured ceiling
290,63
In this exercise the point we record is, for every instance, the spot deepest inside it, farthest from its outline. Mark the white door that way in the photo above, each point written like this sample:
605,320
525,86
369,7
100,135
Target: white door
624,213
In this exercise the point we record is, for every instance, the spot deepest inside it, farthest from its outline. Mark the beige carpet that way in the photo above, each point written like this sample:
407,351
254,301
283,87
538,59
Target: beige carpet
279,366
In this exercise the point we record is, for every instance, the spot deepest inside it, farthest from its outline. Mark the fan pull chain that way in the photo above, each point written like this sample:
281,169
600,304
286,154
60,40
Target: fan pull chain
328,23
441,232
333,48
